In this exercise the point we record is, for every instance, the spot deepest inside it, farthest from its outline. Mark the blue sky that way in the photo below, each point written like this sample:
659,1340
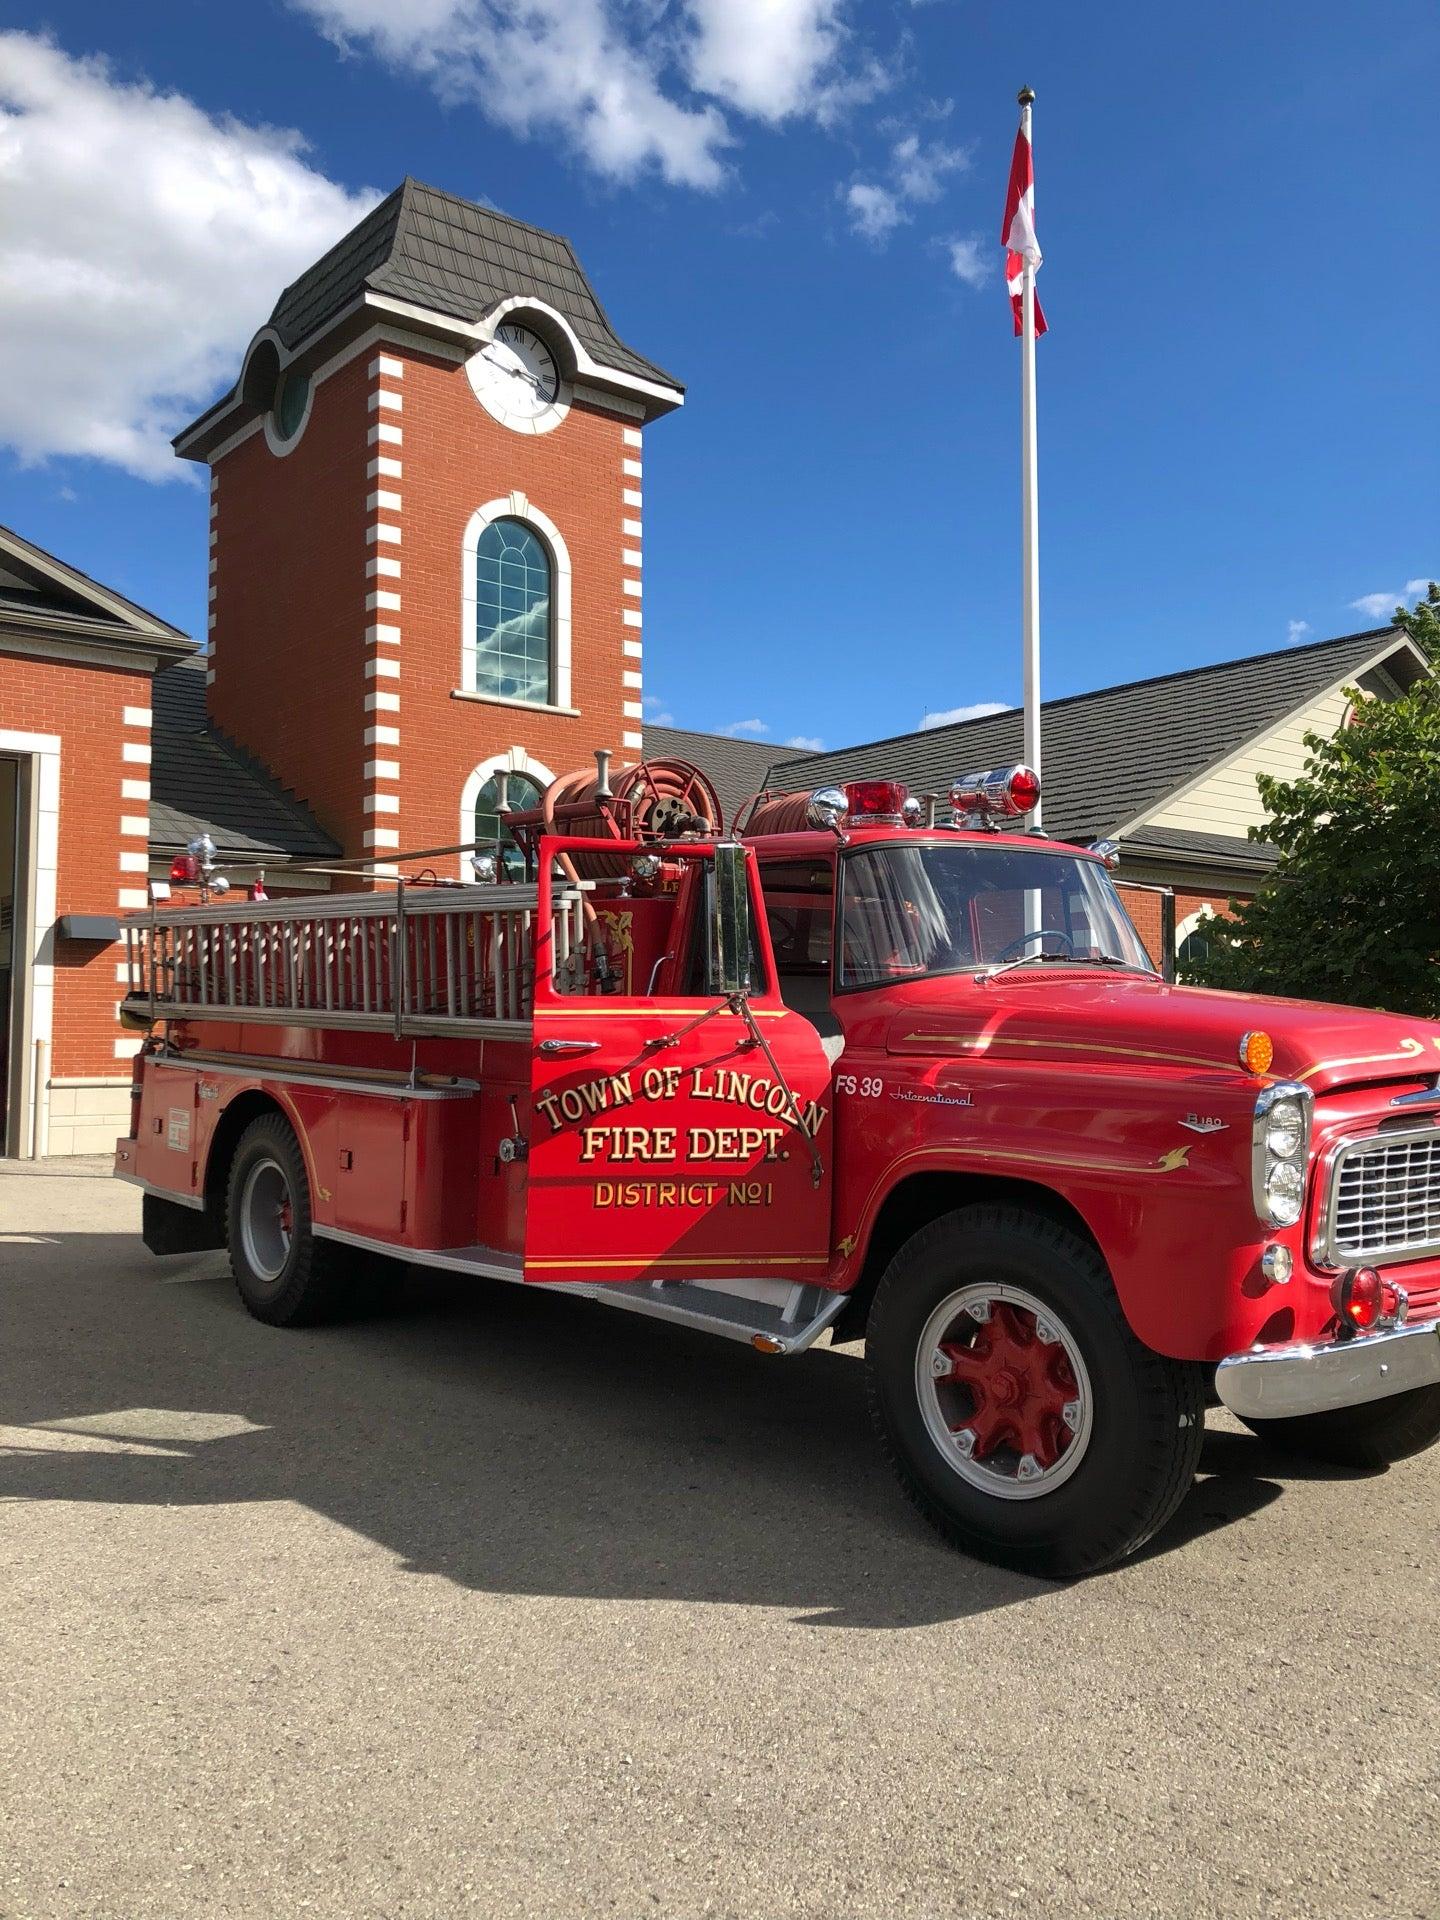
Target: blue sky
1237,396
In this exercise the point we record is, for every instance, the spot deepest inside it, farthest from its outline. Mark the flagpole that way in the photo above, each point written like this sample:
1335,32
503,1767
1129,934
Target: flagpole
1030,498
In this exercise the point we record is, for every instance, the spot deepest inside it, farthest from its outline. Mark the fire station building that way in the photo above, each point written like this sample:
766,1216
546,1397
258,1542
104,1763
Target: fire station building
425,566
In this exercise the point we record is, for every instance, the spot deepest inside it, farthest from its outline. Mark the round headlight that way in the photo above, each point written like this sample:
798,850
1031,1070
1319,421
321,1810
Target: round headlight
645,868
1285,1129
1285,1193
482,865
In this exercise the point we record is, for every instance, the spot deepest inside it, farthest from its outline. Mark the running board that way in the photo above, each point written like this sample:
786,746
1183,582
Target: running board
781,1317
779,1329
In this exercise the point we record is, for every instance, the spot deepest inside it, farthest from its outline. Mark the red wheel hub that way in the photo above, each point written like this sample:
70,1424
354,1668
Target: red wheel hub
1019,1386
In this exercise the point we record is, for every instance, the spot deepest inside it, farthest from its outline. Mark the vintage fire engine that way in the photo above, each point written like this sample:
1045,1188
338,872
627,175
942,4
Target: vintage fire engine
840,1069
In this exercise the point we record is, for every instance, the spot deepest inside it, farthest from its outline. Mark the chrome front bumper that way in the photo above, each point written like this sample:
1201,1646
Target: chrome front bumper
1280,1383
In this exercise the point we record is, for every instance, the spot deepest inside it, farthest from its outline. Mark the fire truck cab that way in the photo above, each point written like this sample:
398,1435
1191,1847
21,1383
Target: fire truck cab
846,1070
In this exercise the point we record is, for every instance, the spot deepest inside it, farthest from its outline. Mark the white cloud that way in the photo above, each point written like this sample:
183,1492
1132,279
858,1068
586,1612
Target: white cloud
738,727
874,211
772,59
952,714
1296,629
920,169
915,174
143,239
806,742
1379,606
627,93
968,262
657,713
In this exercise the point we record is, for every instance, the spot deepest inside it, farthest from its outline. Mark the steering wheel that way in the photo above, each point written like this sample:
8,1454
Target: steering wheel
1040,933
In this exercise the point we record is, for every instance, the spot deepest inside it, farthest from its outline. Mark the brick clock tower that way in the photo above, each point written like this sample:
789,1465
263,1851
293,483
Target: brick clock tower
426,526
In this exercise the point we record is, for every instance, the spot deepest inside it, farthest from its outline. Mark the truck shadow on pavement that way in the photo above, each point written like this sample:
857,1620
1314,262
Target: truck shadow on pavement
505,1440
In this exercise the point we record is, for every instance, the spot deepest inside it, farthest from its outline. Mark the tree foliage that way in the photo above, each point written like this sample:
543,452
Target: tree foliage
1352,911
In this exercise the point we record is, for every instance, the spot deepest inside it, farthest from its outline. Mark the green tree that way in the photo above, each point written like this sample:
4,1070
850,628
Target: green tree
1352,911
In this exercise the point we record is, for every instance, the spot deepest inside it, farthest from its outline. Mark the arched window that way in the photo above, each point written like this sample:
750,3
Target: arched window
511,648
1194,938
478,818
522,791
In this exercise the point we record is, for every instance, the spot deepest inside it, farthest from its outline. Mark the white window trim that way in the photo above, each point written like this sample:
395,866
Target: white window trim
513,760
515,506
1191,922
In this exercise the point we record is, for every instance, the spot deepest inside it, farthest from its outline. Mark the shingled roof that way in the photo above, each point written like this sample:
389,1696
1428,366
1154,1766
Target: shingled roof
201,783
455,257
1114,755
735,768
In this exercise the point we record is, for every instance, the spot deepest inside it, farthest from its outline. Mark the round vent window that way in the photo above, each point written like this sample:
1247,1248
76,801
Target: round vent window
292,403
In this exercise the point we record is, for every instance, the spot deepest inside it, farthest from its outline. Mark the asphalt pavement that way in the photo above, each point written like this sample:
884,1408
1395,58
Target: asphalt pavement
501,1604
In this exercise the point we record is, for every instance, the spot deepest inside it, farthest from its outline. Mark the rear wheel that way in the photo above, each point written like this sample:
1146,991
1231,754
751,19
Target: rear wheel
1021,1414
1372,1435
284,1274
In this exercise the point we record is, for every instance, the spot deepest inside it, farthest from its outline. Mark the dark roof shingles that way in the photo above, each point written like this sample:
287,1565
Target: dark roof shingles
459,258
201,784
735,768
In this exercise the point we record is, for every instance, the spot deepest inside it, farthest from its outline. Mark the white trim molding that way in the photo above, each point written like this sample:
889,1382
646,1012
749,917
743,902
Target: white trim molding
43,750
516,506
513,760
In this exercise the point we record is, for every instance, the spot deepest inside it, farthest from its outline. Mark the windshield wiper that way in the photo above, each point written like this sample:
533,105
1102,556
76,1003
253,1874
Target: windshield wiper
1070,959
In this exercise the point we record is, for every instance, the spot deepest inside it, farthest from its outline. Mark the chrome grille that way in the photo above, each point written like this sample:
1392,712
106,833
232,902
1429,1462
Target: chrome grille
1385,1200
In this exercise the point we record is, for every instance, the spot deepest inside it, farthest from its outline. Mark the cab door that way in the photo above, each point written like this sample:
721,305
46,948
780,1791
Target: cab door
665,1142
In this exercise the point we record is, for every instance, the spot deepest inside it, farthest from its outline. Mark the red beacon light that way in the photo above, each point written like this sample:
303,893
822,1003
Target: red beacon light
999,793
877,803
184,870
1367,1302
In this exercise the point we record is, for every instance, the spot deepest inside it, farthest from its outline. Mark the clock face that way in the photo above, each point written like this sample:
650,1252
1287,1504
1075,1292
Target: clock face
515,375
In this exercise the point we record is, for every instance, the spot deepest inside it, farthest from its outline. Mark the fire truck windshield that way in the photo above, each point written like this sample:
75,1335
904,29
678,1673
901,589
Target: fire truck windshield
930,908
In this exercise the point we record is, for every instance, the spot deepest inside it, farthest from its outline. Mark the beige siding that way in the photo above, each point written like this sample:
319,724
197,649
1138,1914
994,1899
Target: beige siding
1226,800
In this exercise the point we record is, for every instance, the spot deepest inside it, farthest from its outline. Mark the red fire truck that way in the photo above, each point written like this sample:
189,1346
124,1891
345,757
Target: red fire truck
843,1069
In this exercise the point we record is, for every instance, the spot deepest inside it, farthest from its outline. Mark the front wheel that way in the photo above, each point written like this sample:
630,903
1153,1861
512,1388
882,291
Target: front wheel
1373,1435
1023,1418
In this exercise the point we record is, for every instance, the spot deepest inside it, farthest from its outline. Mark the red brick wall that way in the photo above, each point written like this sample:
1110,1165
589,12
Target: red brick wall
294,553
86,706
1144,910
288,573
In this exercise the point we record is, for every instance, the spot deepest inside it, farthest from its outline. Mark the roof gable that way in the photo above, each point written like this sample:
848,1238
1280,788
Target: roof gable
1114,756
54,601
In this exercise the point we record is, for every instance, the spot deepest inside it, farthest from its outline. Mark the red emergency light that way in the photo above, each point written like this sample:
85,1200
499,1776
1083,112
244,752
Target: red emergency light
998,793
877,803
184,870
1367,1302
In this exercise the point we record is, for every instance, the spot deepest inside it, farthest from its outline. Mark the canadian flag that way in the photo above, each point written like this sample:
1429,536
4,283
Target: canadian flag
1017,236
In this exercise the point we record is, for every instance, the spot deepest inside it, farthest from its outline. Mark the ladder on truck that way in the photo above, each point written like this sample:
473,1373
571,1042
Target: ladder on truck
416,962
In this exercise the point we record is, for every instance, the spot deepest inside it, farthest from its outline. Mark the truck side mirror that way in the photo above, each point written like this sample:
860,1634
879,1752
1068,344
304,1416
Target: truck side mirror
730,920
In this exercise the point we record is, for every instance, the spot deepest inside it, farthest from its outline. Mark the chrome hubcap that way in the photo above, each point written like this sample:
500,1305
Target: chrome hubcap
1004,1391
266,1219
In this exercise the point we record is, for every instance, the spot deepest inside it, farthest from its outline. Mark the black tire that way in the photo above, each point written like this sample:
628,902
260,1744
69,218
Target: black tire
298,1284
1373,1435
1144,1420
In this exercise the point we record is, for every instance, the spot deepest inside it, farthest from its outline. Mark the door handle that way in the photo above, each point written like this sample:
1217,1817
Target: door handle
553,1047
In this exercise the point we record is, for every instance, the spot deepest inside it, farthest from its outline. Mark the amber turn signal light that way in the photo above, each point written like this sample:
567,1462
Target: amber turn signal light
1257,1050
